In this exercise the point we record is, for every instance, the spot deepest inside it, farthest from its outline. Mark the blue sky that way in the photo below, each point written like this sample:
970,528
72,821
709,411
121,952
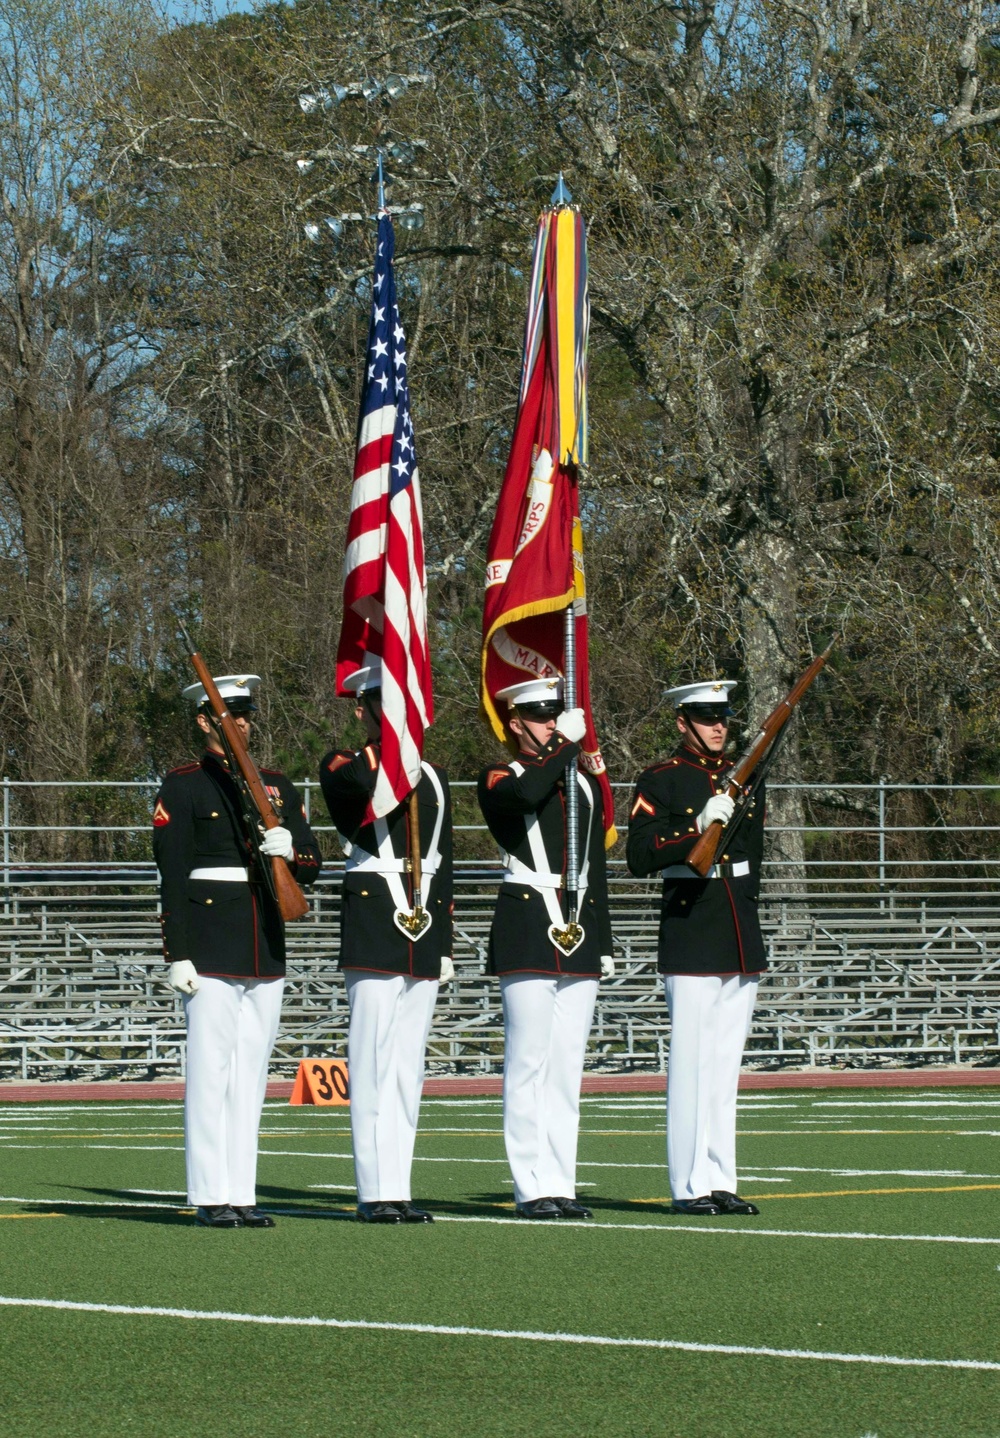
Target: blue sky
202,9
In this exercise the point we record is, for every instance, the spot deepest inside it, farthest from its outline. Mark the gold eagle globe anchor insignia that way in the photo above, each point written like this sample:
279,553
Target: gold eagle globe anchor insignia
413,923
569,939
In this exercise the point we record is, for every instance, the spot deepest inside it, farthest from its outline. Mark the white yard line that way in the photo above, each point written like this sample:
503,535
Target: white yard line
712,1230
877,1172
93,1203
442,1330
56,1109
125,1147
928,1102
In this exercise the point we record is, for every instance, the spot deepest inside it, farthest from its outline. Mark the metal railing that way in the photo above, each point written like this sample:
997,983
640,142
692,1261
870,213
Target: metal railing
884,940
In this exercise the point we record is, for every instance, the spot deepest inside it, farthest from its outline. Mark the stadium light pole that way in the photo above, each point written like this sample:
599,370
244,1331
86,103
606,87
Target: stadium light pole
326,98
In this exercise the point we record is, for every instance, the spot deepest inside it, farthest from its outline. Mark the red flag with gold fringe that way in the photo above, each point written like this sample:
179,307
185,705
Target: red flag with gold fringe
534,567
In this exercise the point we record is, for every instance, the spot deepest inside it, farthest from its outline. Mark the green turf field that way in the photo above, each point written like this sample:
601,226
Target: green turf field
862,1301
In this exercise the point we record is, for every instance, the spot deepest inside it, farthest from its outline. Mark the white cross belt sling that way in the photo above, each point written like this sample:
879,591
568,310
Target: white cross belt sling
387,863
538,876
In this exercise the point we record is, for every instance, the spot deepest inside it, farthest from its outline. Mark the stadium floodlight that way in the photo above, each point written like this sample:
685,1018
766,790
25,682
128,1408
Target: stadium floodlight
371,89
311,101
402,152
395,85
411,220
335,225
311,231
304,166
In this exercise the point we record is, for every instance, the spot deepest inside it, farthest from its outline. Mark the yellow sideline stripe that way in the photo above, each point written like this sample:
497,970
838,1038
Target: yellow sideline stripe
849,1192
32,1215
857,1192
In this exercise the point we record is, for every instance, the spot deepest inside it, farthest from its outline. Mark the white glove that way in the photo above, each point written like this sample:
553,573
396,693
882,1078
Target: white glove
572,725
607,966
719,808
183,977
277,844
447,969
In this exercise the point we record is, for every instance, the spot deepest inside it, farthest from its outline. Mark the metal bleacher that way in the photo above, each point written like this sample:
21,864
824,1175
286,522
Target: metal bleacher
874,962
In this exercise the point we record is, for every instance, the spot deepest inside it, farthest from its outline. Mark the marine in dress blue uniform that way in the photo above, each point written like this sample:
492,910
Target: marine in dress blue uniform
548,994
224,940
391,974
710,947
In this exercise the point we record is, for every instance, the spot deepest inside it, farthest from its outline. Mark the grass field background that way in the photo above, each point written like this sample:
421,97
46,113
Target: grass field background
878,1239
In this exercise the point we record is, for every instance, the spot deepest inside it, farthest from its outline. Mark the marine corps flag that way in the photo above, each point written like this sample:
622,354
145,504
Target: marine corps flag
534,567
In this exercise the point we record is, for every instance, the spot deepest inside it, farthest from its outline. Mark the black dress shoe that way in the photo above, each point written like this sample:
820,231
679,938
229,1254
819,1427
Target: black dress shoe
703,1206
413,1215
218,1215
569,1208
732,1203
254,1217
539,1208
379,1213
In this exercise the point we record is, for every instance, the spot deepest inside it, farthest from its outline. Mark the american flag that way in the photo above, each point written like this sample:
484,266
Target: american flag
385,583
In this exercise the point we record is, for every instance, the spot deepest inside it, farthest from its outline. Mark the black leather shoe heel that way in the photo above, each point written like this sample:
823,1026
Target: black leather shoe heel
569,1208
703,1207
378,1213
732,1203
218,1215
413,1215
539,1208
255,1217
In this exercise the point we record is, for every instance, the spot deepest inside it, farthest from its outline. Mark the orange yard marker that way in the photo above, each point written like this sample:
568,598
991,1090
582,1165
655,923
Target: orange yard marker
321,1081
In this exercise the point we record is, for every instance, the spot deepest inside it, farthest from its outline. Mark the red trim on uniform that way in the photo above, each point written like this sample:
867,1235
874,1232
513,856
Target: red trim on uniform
494,776
395,973
337,762
547,973
736,927
709,766
644,806
369,754
214,974
256,949
408,853
559,955
160,815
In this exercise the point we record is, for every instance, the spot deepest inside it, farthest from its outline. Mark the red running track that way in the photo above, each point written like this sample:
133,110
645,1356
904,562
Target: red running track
592,1083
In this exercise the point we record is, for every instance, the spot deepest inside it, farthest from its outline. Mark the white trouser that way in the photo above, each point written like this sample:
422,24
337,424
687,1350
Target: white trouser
231,1028
709,1021
546,1023
390,1020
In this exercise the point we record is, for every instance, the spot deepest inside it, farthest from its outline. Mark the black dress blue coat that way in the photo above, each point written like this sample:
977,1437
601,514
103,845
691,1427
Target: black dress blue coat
229,930
707,926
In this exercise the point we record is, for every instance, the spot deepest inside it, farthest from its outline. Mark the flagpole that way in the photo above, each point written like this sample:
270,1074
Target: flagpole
561,198
572,791
415,922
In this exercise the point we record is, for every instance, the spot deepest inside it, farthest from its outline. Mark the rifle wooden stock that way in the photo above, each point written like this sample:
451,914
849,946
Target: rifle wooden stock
292,902
706,848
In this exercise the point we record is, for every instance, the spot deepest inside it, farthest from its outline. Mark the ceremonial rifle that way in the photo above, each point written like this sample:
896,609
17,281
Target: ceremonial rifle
745,779
257,806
